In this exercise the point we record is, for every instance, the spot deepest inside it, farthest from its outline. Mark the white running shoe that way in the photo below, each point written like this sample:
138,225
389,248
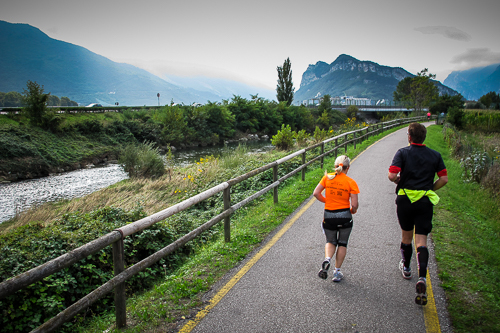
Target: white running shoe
337,276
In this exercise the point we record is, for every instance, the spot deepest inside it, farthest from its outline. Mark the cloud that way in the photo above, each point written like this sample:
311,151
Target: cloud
477,57
448,32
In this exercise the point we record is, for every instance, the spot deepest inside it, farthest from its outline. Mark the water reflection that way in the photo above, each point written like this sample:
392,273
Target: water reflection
19,196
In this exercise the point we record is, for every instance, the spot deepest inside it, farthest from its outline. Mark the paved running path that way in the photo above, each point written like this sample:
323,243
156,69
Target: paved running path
281,292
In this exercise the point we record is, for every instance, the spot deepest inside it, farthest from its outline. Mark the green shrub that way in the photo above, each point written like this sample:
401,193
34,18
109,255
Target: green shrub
456,117
284,138
34,244
89,126
142,161
301,137
320,134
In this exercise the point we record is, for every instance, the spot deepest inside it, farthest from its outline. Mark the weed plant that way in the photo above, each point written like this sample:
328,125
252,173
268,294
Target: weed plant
478,154
142,161
466,235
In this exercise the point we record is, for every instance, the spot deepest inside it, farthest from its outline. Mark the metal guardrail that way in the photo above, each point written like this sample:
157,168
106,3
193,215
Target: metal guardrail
116,237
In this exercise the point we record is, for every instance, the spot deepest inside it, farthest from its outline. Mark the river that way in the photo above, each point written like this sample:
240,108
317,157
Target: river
19,196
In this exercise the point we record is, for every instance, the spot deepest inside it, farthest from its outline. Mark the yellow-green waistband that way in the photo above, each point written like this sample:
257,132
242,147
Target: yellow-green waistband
415,195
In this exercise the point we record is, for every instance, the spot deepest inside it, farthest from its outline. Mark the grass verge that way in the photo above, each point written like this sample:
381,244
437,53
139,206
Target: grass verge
179,295
467,245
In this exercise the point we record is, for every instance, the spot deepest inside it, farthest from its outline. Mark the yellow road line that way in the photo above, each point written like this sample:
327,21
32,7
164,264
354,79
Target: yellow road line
430,311
431,318
189,326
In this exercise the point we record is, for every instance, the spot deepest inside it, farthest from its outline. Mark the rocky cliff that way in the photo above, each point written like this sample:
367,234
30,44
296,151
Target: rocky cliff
352,77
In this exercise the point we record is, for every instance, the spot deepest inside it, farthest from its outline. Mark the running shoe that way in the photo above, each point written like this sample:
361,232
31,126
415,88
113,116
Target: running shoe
337,276
323,272
421,298
406,272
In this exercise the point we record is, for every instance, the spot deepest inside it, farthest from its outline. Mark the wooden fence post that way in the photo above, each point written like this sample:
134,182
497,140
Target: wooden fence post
304,169
227,220
322,152
275,178
336,145
354,135
120,301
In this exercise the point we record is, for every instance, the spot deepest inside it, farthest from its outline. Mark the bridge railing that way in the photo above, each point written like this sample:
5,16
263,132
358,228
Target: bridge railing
117,236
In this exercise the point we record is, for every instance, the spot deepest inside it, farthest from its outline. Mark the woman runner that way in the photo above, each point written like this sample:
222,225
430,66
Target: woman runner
341,201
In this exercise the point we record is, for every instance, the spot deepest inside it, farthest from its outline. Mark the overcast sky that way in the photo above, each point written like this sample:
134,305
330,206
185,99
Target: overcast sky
247,40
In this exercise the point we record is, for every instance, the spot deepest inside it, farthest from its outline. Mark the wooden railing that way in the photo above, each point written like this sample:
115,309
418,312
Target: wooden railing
116,237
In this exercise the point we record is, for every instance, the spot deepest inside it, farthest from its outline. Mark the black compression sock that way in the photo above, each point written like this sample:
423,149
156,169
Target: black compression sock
422,258
406,251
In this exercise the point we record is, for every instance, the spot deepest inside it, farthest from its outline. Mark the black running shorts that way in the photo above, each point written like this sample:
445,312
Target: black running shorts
337,226
417,214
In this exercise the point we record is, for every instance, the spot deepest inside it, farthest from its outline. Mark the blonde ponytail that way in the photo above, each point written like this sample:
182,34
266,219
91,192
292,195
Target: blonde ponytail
342,162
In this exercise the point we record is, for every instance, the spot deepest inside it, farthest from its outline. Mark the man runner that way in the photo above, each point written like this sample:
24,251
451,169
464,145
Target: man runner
413,169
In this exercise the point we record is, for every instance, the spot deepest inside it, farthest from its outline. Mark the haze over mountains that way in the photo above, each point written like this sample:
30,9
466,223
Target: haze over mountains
69,70
475,82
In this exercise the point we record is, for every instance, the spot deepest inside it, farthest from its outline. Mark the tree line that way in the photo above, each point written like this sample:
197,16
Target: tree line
15,99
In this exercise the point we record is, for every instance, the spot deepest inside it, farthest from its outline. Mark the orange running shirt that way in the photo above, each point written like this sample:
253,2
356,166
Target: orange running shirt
337,191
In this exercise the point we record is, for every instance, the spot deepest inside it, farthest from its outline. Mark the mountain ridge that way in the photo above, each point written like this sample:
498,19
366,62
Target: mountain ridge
65,69
350,76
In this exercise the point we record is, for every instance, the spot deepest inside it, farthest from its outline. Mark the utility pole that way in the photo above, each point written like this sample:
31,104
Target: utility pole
158,99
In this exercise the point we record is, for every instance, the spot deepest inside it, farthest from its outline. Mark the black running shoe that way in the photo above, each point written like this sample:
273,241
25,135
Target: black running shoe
323,272
421,288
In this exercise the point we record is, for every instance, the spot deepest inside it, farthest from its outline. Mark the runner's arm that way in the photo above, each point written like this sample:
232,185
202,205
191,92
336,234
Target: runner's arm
318,193
354,203
393,177
440,182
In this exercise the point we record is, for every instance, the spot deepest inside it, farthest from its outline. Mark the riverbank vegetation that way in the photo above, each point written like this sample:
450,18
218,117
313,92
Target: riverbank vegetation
70,140
68,224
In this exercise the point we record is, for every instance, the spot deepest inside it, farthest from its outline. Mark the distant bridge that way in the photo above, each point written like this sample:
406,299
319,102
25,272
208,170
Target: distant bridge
376,108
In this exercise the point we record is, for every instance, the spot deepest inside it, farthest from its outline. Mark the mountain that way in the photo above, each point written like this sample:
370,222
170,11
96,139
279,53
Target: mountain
69,70
475,82
352,77
224,89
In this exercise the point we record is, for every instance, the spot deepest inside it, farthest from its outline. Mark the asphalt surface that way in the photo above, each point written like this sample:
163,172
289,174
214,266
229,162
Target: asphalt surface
282,292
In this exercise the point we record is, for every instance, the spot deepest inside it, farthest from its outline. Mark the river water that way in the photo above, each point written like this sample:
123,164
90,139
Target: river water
20,196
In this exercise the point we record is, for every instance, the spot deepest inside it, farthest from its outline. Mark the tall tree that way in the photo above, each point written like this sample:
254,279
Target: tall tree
285,88
490,98
35,102
419,90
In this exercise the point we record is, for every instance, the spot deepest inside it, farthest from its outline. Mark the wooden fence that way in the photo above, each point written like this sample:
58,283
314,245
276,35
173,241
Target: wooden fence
116,237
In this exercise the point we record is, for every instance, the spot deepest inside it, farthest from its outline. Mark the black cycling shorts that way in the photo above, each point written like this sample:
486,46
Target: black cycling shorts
416,215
